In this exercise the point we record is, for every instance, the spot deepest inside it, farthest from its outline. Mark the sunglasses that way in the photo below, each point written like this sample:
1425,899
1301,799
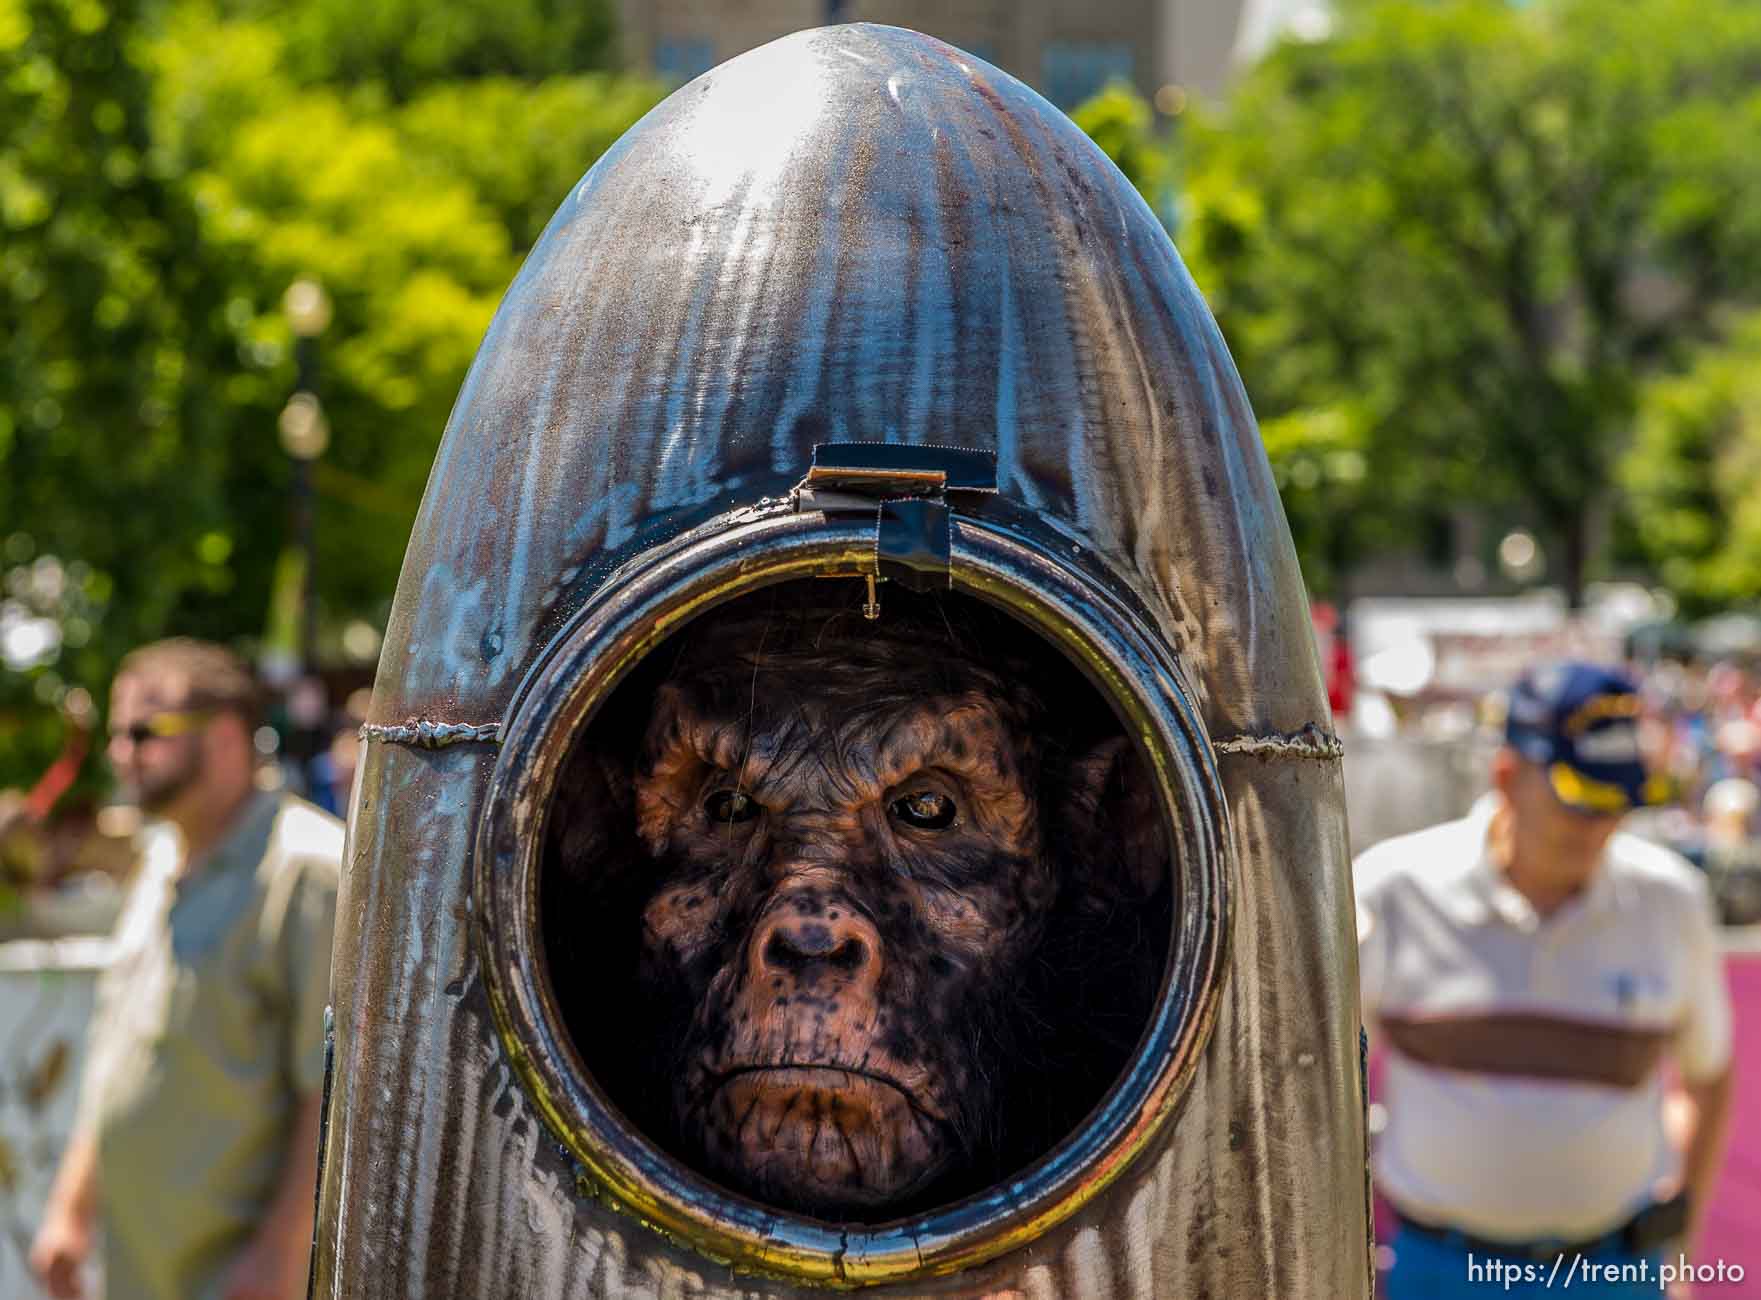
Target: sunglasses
163,726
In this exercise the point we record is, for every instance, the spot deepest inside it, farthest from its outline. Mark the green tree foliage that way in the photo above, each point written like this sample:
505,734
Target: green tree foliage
1693,475
406,46
103,335
1457,235
165,174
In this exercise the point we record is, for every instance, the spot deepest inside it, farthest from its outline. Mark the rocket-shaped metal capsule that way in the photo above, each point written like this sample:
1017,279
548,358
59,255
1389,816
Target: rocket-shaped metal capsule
854,306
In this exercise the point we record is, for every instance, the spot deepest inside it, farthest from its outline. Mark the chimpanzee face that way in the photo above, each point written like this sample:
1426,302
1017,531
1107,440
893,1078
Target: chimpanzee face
845,882
840,880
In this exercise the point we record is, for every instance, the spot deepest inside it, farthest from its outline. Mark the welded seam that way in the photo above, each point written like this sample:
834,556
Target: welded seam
1308,741
420,733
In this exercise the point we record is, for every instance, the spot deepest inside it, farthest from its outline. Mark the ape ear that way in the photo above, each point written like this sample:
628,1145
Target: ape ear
1113,822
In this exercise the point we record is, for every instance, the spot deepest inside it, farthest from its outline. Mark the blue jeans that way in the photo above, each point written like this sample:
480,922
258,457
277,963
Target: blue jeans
1432,1268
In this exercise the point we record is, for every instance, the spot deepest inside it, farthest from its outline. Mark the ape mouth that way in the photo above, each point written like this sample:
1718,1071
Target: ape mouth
821,1076
827,1140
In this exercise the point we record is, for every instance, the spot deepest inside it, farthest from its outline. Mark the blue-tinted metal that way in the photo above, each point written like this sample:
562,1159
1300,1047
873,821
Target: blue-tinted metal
850,235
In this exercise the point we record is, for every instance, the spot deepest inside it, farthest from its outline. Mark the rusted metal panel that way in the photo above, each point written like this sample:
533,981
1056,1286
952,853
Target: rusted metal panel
855,235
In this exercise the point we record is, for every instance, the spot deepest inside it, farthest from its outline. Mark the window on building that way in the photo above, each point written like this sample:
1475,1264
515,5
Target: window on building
1072,71
680,59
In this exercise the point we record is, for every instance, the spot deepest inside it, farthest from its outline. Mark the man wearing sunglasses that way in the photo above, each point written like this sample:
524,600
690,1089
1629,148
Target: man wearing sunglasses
194,1155
1527,970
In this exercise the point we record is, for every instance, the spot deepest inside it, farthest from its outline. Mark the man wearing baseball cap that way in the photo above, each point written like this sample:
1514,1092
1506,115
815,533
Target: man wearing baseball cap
1528,969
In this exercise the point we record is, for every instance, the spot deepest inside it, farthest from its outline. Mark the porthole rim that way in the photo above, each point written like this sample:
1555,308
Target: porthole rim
1029,578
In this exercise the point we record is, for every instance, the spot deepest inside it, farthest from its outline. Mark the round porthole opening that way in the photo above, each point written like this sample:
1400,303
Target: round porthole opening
848,948
856,918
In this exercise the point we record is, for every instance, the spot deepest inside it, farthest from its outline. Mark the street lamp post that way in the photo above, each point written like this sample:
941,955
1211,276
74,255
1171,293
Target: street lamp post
305,433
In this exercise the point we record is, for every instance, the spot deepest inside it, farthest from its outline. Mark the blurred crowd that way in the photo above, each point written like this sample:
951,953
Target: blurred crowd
1702,731
1422,710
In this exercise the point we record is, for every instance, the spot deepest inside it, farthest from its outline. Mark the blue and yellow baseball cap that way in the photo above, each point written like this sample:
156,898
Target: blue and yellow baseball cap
1580,723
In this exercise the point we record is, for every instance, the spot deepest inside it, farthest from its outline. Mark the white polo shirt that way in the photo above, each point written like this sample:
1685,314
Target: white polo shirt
1523,1090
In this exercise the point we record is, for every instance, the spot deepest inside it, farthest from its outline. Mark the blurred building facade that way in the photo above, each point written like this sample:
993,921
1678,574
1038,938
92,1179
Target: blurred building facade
1065,49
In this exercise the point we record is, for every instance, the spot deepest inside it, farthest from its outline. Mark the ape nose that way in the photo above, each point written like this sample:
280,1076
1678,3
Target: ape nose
803,942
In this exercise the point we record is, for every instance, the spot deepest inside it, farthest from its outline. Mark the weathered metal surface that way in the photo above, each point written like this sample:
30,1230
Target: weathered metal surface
849,235
852,235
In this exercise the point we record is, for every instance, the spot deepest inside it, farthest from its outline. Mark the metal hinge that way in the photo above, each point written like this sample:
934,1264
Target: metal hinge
910,492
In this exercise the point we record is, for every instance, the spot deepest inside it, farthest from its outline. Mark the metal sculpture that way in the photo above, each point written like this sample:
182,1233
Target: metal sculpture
853,305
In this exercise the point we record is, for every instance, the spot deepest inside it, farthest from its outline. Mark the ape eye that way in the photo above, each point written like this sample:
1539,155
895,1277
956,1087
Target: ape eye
726,807
925,810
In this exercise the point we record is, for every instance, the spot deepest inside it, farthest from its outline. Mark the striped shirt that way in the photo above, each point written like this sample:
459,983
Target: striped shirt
1522,1084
